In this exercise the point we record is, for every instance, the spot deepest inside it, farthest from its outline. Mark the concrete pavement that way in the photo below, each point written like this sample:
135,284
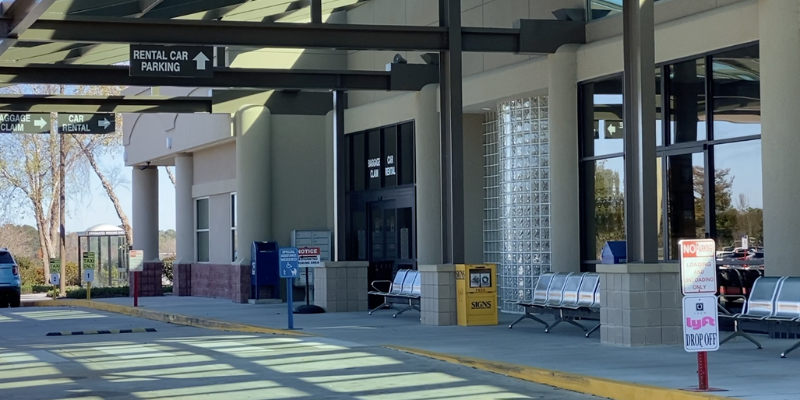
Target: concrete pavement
738,367
178,362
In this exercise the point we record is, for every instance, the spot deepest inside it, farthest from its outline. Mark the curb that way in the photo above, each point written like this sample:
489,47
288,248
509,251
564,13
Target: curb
176,319
602,387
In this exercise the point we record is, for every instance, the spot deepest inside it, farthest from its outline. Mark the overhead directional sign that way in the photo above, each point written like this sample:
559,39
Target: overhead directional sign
86,123
177,61
20,122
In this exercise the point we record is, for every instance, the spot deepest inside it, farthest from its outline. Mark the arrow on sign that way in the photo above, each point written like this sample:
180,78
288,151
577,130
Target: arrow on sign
104,123
40,123
201,60
612,129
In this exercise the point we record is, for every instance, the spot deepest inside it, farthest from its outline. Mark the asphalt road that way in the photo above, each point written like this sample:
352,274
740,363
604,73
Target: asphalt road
178,362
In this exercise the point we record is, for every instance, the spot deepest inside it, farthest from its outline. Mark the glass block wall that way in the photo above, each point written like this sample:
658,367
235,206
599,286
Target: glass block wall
523,197
492,237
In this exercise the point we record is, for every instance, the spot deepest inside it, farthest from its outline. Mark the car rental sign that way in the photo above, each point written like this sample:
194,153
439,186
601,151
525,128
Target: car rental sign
698,266
171,61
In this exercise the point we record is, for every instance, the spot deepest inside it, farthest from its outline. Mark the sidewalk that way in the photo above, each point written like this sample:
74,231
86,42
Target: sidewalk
738,366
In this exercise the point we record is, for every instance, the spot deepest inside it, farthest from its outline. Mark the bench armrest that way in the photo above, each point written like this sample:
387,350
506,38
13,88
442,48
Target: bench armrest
381,281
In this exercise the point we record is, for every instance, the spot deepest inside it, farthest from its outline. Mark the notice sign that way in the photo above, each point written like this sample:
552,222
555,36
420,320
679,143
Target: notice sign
700,324
136,260
698,266
177,61
309,257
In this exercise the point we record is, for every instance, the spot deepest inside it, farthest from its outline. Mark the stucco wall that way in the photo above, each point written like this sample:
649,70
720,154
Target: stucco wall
215,163
298,175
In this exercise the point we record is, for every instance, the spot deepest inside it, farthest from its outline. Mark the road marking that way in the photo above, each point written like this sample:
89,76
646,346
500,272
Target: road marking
102,332
31,356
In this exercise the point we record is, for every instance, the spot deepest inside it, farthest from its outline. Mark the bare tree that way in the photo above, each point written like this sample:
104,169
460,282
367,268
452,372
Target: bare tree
171,175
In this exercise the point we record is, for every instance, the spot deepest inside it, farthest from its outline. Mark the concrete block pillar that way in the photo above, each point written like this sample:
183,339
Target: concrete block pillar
779,33
438,304
184,225
429,177
641,304
145,211
252,126
341,286
565,226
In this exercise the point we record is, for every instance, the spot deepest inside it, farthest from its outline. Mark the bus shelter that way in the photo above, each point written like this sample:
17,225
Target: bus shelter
109,245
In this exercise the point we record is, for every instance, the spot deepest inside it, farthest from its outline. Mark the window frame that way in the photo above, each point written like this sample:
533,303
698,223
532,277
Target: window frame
197,230
234,225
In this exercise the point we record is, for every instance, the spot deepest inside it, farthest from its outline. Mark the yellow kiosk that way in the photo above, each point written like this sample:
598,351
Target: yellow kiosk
476,294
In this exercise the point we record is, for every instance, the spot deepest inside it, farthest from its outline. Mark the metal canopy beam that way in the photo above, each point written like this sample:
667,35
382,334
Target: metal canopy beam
409,77
533,36
115,104
19,17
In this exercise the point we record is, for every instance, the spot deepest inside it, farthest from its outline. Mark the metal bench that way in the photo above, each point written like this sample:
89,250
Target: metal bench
414,295
567,296
586,305
787,307
395,289
405,288
760,306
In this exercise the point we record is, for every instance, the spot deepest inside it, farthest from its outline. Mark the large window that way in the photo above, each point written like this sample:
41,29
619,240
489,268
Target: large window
202,229
708,155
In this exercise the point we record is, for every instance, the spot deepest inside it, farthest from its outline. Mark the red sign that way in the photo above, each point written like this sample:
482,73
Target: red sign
308,251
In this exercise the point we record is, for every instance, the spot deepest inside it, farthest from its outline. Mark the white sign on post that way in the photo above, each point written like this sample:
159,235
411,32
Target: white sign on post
88,275
700,323
698,266
136,260
55,279
309,257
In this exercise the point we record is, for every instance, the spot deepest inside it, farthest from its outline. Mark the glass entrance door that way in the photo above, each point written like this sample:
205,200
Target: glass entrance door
390,240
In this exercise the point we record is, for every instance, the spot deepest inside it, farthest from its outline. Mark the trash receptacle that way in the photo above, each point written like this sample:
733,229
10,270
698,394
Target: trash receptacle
476,299
264,279
614,252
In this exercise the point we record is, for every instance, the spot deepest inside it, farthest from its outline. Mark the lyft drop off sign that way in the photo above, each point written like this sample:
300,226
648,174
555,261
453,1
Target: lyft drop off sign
700,324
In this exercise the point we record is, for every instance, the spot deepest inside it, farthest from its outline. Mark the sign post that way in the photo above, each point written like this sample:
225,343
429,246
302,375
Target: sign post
288,260
55,274
88,272
136,265
309,258
700,314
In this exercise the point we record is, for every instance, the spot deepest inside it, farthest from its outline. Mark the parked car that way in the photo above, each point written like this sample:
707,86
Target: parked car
10,291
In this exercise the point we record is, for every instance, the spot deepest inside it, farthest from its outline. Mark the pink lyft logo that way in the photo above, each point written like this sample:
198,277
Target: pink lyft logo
699,323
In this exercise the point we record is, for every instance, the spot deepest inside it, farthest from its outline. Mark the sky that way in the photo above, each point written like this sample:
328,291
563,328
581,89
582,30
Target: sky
99,209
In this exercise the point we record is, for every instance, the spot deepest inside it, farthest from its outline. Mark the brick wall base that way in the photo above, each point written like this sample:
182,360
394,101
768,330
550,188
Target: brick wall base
182,279
220,281
149,280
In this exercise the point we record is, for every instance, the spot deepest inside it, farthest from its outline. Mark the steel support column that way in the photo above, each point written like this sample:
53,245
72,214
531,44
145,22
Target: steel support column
339,223
316,11
640,132
450,85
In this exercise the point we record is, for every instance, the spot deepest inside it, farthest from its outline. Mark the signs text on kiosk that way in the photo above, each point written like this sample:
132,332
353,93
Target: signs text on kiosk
698,266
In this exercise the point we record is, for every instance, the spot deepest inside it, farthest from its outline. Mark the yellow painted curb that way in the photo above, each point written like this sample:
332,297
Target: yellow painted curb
574,382
177,319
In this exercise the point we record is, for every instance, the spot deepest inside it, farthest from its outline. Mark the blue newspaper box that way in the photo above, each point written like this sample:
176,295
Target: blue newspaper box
264,280
614,252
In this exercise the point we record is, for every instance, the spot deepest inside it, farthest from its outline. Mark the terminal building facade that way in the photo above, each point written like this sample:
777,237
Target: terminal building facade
544,156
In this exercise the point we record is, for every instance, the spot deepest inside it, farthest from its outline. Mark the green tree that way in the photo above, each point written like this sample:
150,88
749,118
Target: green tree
609,206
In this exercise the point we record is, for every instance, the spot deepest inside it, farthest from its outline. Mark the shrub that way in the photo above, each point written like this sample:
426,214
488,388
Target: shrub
167,263
73,275
30,272
99,293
